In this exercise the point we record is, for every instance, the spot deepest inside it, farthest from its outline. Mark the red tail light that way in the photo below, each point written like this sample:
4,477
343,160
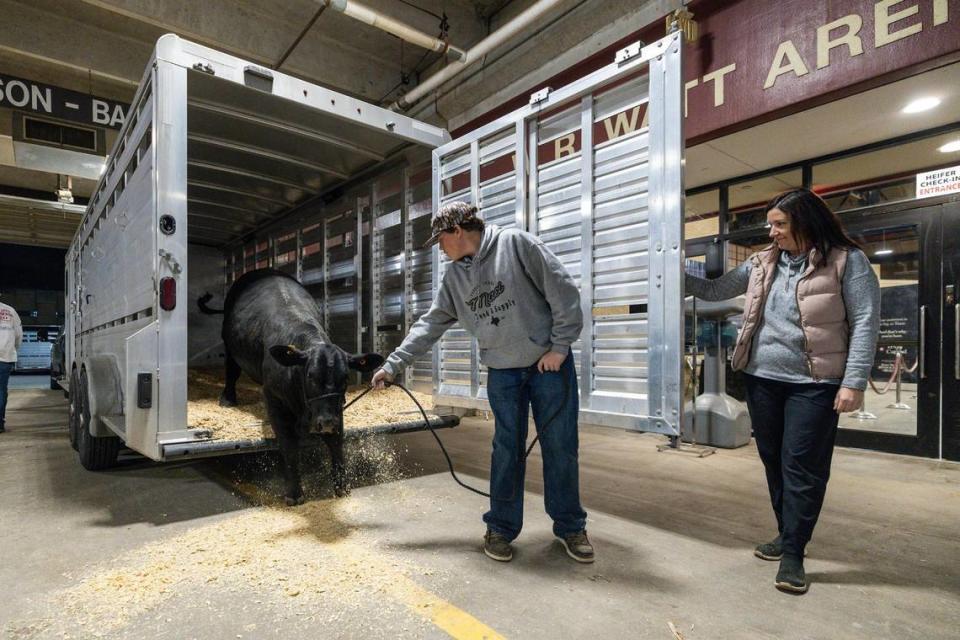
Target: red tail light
168,294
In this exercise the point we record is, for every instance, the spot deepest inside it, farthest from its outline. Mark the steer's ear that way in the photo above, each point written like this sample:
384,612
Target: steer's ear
287,355
365,362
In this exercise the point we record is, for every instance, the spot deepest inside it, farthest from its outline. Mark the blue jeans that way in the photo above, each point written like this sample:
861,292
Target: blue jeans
5,369
794,426
511,393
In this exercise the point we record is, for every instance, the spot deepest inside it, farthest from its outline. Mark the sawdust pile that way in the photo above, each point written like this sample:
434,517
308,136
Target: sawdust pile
248,420
317,557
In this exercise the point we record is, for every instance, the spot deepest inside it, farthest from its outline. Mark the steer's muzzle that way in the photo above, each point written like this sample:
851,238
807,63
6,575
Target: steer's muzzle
331,422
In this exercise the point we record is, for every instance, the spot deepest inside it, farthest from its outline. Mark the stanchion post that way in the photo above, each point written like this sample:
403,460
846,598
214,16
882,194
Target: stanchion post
898,368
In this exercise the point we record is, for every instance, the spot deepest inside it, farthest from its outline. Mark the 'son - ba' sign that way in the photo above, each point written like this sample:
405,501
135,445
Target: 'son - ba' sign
26,95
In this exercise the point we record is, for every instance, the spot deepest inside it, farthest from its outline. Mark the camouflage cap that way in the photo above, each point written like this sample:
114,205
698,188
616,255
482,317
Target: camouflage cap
449,216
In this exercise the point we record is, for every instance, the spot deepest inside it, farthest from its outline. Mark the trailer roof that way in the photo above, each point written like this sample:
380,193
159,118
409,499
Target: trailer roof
260,142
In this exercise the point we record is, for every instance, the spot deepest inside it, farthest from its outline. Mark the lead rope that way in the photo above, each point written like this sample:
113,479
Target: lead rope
426,422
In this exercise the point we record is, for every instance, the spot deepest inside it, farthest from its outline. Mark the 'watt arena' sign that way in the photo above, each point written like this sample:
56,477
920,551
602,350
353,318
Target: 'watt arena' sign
610,128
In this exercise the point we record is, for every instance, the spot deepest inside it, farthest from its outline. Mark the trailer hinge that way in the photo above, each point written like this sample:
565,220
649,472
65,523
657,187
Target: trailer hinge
539,96
204,67
629,51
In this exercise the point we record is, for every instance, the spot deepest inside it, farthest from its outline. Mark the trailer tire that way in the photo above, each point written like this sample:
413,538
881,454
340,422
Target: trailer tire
53,384
96,454
74,418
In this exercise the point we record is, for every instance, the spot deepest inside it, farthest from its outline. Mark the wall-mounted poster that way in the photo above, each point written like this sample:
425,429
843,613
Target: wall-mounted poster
898,332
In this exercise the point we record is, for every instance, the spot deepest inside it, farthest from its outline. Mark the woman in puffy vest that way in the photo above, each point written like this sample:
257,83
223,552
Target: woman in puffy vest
810,323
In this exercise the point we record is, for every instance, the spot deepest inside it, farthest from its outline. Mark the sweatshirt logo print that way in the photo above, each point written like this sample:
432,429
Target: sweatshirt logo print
485,298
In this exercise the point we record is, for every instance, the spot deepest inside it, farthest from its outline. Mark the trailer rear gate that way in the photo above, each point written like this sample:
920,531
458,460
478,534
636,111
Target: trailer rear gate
595,169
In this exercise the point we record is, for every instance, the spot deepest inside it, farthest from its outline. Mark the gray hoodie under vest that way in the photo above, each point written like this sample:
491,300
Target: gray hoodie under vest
514,296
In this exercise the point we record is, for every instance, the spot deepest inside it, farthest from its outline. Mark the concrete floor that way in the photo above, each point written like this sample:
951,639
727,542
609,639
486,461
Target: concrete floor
29,381
200,550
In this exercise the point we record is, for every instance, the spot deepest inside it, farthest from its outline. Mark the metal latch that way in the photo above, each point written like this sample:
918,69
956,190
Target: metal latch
258,78
174,265
539,96
204,67
629,51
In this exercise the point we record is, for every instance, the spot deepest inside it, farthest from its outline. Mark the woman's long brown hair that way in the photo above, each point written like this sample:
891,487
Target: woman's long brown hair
812,221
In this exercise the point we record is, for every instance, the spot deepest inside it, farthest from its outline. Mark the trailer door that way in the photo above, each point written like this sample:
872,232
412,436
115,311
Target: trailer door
595,169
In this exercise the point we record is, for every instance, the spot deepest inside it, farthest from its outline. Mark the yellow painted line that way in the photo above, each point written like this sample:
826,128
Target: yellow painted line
456,622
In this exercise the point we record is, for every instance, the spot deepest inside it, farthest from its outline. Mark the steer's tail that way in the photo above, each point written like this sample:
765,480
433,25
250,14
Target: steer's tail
202,303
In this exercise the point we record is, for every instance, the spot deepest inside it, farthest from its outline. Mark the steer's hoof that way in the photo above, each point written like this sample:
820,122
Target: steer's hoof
341,491
292,502
227,402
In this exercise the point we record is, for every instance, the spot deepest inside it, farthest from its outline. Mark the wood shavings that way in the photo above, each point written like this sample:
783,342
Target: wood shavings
320,556
248,420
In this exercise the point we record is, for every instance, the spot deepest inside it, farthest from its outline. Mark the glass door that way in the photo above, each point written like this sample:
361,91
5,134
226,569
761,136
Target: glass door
901,412
950,354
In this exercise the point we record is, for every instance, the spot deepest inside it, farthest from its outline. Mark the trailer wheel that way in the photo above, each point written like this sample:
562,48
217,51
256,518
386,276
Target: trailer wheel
96,453
74,412
53,384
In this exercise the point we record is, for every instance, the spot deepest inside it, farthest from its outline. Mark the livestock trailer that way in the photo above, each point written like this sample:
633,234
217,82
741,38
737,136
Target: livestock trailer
213,148
223,167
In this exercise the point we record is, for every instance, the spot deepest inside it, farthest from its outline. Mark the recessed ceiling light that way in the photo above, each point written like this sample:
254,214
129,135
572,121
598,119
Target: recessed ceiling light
950,147
921,104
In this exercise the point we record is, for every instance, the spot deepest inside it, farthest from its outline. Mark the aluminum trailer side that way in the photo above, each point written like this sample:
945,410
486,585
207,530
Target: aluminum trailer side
213,148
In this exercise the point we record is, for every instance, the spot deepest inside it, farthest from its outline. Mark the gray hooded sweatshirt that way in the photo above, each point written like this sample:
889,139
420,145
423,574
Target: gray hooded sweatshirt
514,296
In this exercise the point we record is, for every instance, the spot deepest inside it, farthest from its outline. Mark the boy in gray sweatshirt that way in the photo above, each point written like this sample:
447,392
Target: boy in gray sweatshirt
508,290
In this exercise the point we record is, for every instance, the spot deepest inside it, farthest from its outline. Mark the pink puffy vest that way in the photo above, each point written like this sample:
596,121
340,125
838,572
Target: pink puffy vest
823,316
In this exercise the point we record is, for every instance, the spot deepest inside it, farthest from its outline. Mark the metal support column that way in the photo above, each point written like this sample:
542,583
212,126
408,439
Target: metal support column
586,247
475,196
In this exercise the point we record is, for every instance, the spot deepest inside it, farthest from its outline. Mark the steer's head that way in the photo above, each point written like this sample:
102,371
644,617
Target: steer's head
320,374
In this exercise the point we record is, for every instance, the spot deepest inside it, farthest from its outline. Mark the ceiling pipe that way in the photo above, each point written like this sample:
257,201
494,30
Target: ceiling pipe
477,52
405,32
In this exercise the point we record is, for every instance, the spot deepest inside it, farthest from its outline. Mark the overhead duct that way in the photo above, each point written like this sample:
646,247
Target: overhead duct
477,52
383,22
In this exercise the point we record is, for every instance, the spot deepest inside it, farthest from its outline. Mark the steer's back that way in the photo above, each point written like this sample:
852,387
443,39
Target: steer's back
263,308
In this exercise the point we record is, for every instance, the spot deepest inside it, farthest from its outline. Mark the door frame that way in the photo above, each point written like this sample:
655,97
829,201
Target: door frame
931,399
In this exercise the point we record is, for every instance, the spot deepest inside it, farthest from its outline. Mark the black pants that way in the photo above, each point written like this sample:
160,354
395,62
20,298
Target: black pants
795,427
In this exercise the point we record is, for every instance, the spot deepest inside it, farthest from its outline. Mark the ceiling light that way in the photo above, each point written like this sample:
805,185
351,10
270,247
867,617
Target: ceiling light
921,104
950,147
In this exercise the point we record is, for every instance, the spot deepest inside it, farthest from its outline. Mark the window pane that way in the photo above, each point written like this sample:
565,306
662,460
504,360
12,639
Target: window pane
881,176
39,130
82,138
702,215
749,199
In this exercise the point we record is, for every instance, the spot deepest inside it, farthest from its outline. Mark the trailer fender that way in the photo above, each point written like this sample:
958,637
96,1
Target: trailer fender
106,394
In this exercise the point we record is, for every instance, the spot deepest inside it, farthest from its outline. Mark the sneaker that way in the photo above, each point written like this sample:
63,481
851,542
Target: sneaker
497,547
772,550
578,546
791,576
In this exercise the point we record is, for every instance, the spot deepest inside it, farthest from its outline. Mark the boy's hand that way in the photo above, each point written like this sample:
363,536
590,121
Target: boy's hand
380,378
551,361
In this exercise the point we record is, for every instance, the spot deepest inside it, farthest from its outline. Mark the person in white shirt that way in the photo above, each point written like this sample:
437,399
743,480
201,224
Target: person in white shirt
11,335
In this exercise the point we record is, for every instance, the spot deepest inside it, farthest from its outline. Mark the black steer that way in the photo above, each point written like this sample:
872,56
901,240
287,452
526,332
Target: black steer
273,332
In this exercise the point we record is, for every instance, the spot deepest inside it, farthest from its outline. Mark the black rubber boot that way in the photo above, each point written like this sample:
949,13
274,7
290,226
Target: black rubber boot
772,550
791,576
